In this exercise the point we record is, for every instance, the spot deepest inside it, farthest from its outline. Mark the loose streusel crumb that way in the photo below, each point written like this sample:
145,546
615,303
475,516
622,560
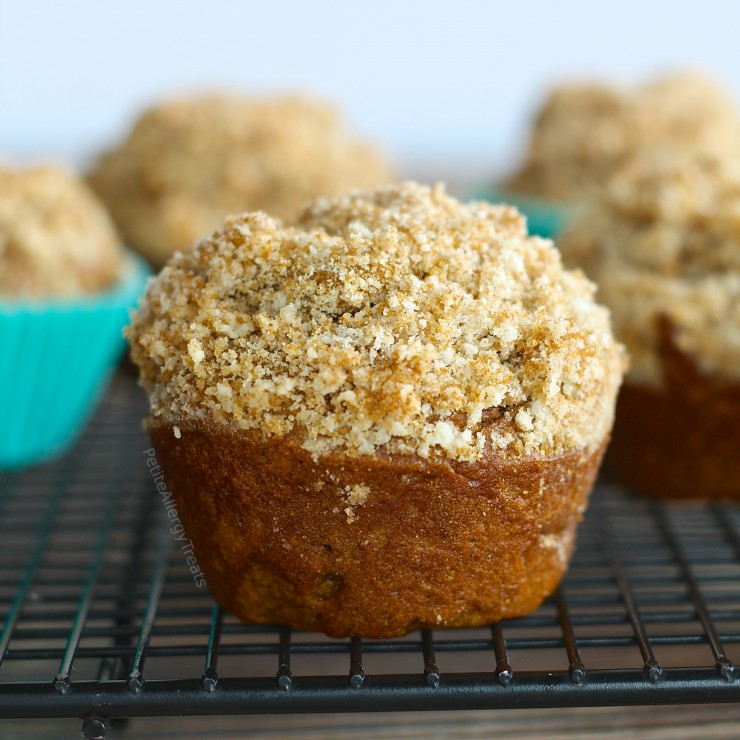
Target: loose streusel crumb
354,496
558,542
56,239
188,163
664,238
584,132
396,319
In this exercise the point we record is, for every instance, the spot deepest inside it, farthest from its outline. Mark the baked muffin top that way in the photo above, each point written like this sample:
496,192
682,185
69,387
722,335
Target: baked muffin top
664,239
188,163
584,132
56,239
398,319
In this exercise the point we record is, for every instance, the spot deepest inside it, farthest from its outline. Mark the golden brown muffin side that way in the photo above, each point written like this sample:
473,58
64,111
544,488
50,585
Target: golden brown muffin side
376,545
679,440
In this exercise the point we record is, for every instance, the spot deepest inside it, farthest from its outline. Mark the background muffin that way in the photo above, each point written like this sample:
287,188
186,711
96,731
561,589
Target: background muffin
386,415
56,240
66,285
188,163
584,133
663,244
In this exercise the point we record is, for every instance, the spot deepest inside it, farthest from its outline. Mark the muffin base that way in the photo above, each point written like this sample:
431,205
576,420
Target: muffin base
679,440
434,544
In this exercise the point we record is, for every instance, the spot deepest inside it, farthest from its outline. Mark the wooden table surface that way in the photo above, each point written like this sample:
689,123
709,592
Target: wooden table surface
614,723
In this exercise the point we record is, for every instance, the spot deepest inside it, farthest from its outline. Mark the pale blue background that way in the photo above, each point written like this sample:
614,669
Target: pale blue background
443,84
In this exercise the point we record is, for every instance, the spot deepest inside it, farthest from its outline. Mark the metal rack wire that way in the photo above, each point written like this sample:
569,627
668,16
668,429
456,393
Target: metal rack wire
102,617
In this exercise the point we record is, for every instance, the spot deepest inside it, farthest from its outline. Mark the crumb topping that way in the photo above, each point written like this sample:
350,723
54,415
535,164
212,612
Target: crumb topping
397,319
56,239
664,238
584,132
188,163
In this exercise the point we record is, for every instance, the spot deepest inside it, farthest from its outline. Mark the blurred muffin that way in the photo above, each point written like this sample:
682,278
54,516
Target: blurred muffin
584,133
66,285
188,163
663,244
56,240
386,415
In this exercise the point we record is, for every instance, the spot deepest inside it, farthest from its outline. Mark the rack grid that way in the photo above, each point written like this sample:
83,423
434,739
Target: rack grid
103,619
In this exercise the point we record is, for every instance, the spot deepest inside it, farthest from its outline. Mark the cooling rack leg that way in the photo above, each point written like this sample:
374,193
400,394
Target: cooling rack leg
94,727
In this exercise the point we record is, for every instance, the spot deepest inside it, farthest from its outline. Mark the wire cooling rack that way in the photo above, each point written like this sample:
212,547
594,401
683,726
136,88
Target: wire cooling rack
103,617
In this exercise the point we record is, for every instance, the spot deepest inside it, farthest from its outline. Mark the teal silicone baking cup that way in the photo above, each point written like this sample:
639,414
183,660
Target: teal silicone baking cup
57,357
544,218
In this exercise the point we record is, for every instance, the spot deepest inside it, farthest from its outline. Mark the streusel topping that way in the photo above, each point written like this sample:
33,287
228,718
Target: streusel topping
584,132
665,239
188,163
397,319
56,240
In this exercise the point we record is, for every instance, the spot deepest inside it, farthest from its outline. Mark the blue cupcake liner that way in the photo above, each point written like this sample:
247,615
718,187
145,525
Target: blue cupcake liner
544,218
57,357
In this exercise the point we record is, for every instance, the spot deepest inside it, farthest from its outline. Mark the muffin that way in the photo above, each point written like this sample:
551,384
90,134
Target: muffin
188,163
584,133
663,244
56,240
66,285
385,415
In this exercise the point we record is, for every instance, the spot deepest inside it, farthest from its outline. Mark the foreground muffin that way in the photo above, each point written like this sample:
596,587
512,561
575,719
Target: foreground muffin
66,285
584,133
385,416
188,163
663,244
